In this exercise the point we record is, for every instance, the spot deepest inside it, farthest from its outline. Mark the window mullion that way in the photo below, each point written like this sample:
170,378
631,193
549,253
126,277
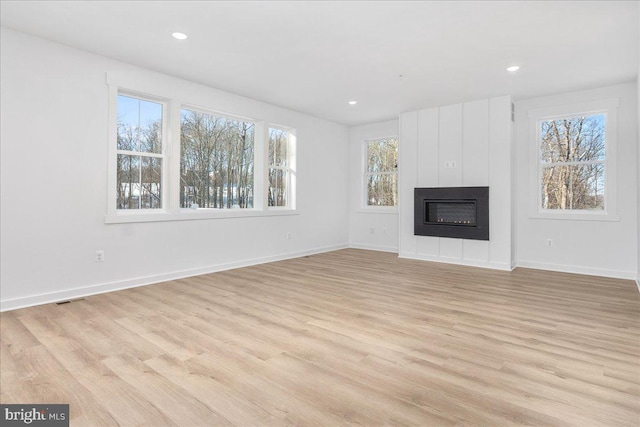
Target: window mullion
141,153
261,169
139,182
173,181
144,122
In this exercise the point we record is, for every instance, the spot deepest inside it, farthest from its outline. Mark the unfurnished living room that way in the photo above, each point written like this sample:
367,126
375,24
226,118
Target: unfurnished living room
319,213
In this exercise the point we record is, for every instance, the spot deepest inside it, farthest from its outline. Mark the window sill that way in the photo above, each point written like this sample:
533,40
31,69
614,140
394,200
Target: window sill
194,214
378,210
575,216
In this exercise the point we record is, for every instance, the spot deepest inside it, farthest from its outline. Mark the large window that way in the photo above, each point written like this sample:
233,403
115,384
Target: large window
140,153
381,172
216,161
575,160
572,162
172,161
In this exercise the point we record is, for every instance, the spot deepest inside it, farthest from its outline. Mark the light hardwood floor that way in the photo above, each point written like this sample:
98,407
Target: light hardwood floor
347,337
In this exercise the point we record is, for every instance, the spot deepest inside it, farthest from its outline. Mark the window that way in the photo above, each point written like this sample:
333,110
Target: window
169,160
575,160
140,153
572,157
216,161
381,172
279,168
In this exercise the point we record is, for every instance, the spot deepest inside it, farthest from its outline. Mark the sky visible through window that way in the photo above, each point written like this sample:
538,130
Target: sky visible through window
137,112
139,159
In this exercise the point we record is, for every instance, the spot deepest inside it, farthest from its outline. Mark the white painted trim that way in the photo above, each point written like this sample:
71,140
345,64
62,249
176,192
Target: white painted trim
609,108
173,103
193,214
456,261
84,291
638,284
165,156
616,274
392,249
379,210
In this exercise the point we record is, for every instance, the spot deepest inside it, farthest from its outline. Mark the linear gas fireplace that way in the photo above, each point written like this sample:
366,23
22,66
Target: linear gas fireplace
459,212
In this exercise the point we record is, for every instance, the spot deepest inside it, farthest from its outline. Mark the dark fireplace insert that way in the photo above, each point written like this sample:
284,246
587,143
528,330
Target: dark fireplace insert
458,212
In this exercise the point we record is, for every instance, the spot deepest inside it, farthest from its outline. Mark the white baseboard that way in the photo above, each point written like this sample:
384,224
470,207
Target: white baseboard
616,274
67,294
374,247
456,261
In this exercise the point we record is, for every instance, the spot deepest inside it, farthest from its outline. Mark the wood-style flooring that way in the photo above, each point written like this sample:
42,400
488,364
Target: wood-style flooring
350,337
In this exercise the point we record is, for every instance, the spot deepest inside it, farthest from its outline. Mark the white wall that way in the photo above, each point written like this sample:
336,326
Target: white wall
383,223
478,137
54,184
591,247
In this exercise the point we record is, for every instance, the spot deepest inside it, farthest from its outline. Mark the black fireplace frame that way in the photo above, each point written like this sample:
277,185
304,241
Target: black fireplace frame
478,195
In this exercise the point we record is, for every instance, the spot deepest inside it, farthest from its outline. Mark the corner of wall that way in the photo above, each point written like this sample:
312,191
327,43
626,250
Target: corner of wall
638,160
369,230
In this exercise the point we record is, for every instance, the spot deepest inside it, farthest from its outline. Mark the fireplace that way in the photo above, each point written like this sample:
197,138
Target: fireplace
458,212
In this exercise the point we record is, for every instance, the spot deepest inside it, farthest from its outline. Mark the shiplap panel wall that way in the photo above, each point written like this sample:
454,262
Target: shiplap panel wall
477,136
428,175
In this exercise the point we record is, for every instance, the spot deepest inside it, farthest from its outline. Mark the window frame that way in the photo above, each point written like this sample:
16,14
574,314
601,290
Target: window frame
606,107
203,110
364,193
162,155
171,210
290,168
112,209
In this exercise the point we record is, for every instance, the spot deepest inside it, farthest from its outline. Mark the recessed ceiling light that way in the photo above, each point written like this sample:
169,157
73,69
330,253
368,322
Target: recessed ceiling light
513,68
179,36
352,102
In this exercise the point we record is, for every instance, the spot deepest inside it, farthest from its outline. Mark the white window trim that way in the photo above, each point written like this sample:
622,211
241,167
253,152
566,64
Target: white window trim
258,144
114,92
364,207
291,168
171,210
608,107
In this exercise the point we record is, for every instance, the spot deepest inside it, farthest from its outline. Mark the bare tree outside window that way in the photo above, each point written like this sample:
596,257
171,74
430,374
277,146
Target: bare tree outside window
216,161
279,170
209,165
572,163
381,176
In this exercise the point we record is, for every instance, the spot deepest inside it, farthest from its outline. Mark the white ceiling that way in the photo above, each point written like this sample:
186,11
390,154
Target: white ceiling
314,56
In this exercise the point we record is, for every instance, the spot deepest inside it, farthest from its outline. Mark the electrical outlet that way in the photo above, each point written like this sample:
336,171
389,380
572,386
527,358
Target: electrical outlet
288,236
449,164
372,231
99,256
549,242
